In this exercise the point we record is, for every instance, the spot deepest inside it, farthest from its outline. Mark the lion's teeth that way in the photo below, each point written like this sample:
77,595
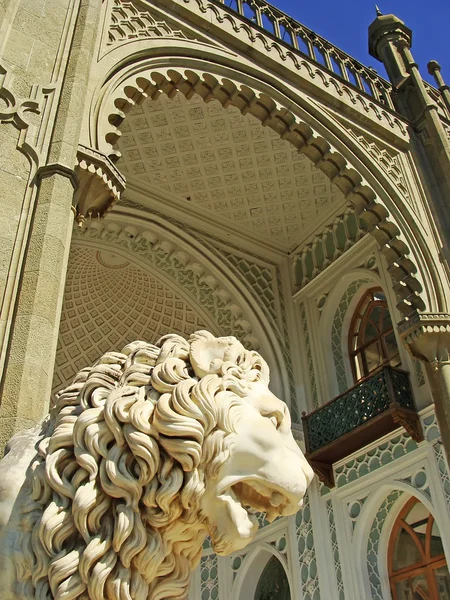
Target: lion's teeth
276,499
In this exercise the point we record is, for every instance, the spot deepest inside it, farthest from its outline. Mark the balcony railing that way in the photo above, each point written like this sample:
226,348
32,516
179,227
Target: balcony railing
372,408
299,38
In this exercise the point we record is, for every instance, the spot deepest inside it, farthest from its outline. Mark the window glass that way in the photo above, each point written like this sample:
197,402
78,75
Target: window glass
371,340
406,552
417,564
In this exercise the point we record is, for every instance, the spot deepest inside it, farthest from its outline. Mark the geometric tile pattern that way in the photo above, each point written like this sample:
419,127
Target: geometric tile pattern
309,358
180,275
259,278
335,549
209,577
130,23
443,472
373,542
336,334
109,302
306,553
225,163
379,456
284,339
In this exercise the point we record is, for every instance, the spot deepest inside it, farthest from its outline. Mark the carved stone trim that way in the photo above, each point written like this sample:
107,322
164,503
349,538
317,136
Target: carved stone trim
14,110
367,206
59,169
129,22
100,184
327,247
427,336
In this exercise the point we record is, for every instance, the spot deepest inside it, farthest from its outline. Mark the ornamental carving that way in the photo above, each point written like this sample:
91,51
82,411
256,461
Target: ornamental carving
132,21
144,455
100,185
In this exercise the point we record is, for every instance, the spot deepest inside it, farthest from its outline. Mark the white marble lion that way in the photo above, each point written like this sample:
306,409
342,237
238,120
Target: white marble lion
144,455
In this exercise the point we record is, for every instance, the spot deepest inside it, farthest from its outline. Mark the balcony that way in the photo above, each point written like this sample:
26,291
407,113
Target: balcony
372,408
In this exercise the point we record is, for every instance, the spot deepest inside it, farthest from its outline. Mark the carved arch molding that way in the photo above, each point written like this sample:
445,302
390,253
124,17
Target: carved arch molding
409,262
163,253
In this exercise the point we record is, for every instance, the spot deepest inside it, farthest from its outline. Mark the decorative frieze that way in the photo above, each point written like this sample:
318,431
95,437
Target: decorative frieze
326,247
132,21
29,115
279,36
209,577
335,550
181,268
373,543
307,553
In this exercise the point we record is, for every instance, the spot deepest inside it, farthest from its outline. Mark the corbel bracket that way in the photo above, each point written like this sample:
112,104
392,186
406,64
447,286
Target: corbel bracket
101,184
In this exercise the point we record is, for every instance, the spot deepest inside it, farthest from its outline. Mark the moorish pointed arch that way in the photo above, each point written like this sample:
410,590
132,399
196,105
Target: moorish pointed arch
416,279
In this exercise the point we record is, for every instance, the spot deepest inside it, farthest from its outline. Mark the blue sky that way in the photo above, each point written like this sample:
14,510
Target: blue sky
345,22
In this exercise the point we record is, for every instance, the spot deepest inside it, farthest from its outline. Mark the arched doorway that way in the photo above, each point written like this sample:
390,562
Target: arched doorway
416,560
273,583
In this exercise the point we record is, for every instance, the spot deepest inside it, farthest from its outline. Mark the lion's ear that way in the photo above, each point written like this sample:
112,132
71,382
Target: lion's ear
207,353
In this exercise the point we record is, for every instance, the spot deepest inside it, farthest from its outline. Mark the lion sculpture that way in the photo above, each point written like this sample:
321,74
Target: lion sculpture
143,456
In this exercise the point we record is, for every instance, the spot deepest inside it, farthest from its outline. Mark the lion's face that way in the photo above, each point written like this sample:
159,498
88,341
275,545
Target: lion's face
265,472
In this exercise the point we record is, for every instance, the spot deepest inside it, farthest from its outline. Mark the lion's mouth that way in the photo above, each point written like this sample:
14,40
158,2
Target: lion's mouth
235,521
255,496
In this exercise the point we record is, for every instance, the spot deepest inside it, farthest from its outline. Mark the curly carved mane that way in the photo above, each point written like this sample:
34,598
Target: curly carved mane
114,510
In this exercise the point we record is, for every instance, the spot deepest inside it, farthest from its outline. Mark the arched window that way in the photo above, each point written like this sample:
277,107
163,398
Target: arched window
273,583
417,566
371,338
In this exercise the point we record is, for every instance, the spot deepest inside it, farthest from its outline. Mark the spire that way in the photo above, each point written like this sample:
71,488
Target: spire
378,11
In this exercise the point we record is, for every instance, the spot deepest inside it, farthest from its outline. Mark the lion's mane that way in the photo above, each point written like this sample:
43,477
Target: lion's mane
120,471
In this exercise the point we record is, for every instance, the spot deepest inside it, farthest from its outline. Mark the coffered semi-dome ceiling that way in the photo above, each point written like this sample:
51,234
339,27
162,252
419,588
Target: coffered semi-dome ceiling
108,302
225,164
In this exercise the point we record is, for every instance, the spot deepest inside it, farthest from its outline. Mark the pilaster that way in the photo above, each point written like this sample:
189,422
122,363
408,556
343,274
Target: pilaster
40,261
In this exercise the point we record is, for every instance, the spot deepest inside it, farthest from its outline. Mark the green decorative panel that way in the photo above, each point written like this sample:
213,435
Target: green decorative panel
373,543
209,577
378,456
336,334
309,357
335,550
286,349
328,246
258,277
307,553
443,472
207,543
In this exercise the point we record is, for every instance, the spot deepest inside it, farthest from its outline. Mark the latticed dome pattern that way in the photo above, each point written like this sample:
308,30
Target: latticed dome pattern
108,302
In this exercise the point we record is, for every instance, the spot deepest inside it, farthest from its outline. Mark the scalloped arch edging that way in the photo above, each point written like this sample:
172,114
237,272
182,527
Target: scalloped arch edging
144,82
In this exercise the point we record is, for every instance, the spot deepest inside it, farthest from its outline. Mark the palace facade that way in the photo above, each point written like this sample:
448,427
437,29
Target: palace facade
200,164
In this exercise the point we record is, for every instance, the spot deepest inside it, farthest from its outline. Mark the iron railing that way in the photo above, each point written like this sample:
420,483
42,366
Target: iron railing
299,38
369,398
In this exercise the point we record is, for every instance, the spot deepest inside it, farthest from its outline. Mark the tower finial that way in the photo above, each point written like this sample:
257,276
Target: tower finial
378,11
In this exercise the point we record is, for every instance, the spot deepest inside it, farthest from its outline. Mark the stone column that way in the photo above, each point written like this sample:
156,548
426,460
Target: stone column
427,337
34,311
